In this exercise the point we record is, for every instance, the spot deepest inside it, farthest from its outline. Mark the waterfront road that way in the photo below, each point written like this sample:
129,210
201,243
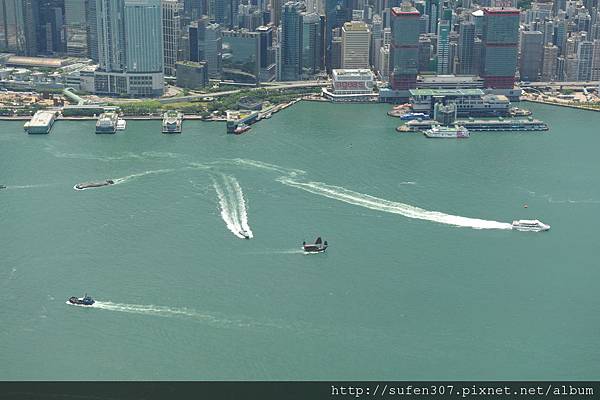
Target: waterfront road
286,85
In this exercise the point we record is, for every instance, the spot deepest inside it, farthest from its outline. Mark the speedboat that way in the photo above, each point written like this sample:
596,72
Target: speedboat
532,225
89,185
241,129
2,187
245,234
317,247
82,301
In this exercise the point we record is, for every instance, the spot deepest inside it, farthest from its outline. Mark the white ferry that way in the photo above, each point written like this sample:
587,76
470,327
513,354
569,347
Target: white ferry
530,225
172,122
107,123
447,132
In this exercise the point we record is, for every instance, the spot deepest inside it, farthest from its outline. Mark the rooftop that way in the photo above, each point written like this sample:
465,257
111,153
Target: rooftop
36,61
446,92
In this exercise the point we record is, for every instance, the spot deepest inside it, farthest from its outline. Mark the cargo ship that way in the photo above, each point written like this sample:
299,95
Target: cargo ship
172,121
447,132
107,122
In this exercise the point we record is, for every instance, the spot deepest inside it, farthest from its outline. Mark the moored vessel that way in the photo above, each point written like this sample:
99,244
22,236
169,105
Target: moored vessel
41,122
530,225
447,132
413,115
172,121
107,122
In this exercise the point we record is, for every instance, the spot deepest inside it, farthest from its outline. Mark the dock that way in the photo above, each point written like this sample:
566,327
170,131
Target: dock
237,118
172,122
41,122
481,125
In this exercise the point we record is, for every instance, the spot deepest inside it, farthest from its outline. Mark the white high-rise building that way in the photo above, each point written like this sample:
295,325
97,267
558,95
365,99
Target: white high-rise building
171,11
356,39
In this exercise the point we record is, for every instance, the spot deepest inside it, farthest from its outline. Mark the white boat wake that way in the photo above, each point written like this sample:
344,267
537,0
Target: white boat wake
375,203
140,174
233,205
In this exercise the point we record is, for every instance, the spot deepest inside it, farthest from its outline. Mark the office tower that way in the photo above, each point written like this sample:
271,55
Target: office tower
241,56
276,11
226,13
194,9
532,51
466,41
404,49
206,44
548,32
91,18
433,11
443,42
596,61
337,12
549,63
425,53
76,28
500,47
130,48
18,22
312,44
267,64
50,26
291,41
585,53
171,18
356,40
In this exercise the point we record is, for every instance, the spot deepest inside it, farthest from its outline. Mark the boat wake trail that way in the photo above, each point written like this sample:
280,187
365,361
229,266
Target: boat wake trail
233,205
375,203
167,312
140,174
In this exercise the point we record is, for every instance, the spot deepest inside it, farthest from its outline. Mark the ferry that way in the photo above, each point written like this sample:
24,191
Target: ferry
172,121
89,185
519,112
241,129
414,115
81,301
447,132
317,247
121,125
530,225
107,123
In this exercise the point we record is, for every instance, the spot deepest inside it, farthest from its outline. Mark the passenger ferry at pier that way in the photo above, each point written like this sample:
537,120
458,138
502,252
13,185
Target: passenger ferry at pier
172,121
447,132
107,122
414,115
530,225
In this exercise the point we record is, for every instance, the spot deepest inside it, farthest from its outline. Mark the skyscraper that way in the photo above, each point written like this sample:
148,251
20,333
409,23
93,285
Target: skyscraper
75,28
404,48
532,51
291,41
585,54
312,44
276,9
130,47
50,25
171,19
18,22
500,47
337,12
443,48
466,42
356,41
226,13
549,63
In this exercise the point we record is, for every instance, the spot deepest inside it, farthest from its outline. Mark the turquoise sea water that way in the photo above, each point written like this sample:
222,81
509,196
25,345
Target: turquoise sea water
402,293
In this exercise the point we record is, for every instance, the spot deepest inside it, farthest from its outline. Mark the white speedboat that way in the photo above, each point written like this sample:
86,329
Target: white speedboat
531,225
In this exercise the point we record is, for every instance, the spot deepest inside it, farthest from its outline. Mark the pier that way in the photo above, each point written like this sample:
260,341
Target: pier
172,122
41,122
481,125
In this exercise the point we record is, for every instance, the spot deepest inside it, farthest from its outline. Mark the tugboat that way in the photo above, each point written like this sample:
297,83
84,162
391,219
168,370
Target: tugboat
83,301
89,185
317,247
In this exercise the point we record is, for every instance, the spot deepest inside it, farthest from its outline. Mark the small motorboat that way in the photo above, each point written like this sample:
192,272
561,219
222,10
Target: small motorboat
2,187
245,234
89,185
317,247
241,129
82,301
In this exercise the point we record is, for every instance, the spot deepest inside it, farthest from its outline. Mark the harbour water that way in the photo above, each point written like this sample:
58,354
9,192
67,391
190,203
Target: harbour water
423,278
